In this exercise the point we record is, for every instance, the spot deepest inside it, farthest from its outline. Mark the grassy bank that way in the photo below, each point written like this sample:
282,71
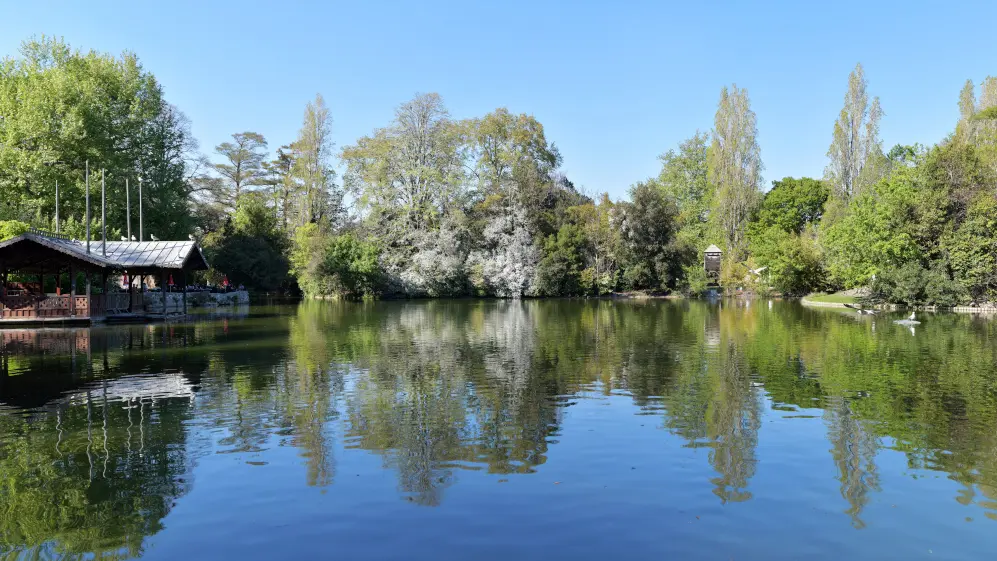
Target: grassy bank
836,298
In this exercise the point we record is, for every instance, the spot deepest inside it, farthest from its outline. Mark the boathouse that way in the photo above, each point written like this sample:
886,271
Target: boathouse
44,256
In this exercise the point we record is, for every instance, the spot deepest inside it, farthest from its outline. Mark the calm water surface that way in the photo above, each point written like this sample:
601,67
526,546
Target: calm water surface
502,430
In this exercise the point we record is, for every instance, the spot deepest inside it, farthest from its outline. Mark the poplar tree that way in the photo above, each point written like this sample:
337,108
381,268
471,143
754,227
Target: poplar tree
735,164
856,151
967,107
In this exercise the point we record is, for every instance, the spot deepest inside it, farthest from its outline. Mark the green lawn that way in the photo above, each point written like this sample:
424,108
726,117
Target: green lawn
833,298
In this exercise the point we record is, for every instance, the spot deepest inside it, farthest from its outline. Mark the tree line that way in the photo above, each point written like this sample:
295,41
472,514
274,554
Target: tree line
432,205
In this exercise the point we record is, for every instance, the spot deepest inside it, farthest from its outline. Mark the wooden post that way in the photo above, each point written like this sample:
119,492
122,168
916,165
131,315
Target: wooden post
162,288
41,289
87,276
103,286
131,292
183,279
3,287
72,289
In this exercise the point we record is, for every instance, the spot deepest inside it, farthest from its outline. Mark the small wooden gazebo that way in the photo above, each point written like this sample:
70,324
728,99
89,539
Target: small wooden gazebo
711,262
44,255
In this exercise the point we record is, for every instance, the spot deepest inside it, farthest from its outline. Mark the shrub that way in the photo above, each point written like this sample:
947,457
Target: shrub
559,273
914,285
352,266
12,228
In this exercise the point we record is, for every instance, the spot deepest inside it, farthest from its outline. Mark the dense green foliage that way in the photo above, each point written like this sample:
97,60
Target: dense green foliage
783,235
918,236
250,247
431,205
60,109
560,270
12,228
352,266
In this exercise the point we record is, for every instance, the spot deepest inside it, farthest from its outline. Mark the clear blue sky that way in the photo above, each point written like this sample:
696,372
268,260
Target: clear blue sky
614,83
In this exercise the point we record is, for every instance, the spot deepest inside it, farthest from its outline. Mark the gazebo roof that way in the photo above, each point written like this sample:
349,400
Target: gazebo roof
713,249
31,250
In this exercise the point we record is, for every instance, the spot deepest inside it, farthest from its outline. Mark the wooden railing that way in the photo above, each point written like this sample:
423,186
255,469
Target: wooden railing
22,306
53,306
58,306
82,309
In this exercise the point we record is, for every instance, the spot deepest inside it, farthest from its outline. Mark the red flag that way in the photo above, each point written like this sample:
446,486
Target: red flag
225,280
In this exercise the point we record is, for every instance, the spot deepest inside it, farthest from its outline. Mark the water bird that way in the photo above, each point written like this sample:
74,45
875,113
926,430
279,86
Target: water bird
909,321
861,311
153,237
133,238
124,239
191,237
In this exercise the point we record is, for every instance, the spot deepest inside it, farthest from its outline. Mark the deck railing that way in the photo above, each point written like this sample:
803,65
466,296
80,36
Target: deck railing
51,306
23,306
37,306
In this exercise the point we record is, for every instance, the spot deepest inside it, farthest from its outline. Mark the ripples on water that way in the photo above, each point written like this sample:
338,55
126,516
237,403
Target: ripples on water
502,430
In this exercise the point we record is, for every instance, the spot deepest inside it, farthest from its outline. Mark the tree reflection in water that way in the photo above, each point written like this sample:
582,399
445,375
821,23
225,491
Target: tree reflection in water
101,428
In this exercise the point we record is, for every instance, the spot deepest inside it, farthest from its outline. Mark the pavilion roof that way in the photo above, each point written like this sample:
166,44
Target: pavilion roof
126,255
161,254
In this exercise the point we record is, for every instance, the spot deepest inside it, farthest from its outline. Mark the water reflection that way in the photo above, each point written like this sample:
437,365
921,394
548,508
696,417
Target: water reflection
102,428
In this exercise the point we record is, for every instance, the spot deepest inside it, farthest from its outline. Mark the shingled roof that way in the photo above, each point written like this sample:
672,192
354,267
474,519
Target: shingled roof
130,256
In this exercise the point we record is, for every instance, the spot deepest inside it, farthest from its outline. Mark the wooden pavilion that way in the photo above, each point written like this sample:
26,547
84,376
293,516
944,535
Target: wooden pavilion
44,255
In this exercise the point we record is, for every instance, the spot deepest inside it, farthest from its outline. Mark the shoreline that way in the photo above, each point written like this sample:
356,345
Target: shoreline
986,309
980,310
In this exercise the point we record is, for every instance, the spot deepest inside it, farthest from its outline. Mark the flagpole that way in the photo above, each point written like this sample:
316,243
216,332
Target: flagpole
128,209
88,205
103,216
141,234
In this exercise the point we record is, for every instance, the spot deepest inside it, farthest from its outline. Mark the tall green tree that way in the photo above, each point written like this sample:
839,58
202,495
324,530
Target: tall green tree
793,204
783,237
856,152
243,165
61,108
281,183
318,199
735,167
647,227
875,234
685,179
559,272
967,109
407,175
508,147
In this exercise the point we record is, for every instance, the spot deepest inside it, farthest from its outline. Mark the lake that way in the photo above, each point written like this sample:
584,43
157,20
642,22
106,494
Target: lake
507,430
